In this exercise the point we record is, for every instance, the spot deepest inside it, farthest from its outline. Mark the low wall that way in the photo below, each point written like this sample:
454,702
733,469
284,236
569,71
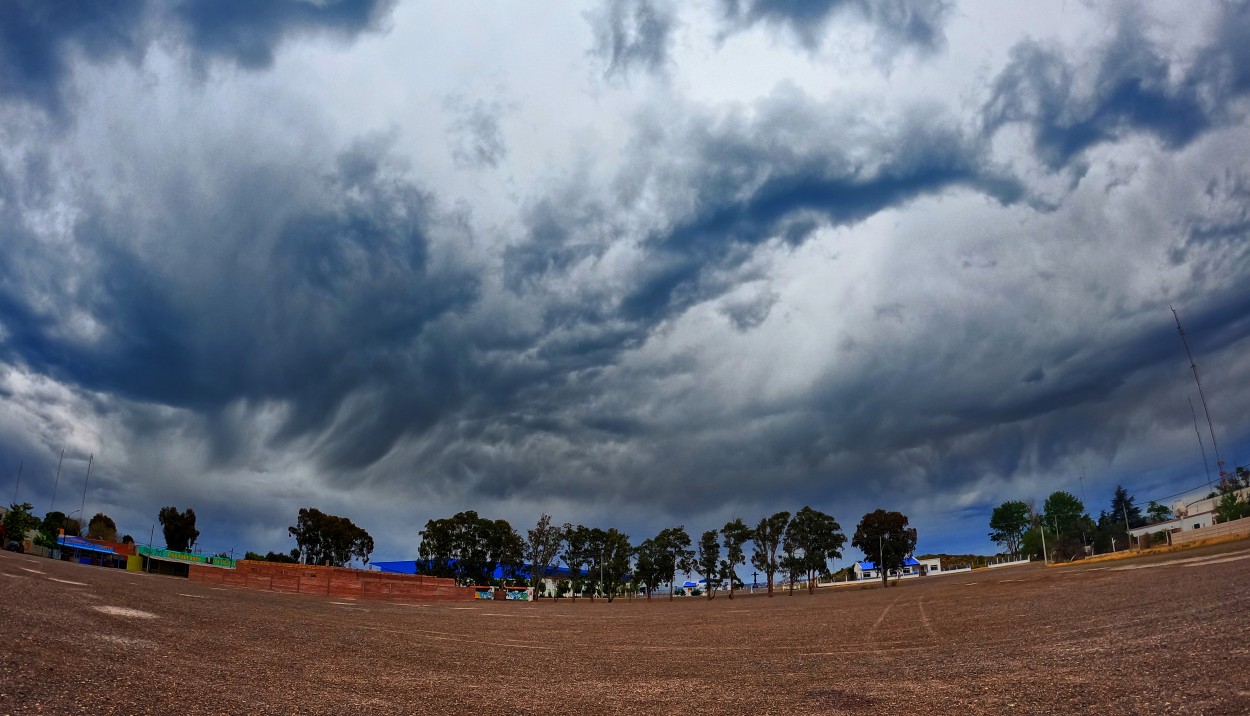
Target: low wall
338,582
1224,529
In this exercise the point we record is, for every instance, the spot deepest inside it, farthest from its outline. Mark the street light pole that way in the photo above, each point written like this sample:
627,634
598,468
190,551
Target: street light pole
83,507
885,580
58,479
18,484
1045,554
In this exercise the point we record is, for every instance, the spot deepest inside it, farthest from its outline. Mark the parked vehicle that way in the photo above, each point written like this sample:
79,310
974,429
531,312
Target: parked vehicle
15,547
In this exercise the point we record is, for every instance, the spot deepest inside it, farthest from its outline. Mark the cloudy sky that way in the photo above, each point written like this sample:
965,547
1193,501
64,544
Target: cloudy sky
633,263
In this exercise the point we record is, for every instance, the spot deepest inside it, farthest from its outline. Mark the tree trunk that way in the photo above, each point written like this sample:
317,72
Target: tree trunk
885,577
731,587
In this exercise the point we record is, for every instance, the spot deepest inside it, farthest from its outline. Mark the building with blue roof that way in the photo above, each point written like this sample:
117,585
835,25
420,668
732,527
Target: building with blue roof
912,567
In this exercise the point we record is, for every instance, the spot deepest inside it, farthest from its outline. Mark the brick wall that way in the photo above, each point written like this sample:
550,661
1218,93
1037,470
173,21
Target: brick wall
336,582
1224,529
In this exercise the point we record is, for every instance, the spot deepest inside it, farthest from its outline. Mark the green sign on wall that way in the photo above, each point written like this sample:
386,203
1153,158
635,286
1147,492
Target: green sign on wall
185,557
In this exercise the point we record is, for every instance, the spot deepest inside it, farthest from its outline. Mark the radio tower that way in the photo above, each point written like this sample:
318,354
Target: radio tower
1219,464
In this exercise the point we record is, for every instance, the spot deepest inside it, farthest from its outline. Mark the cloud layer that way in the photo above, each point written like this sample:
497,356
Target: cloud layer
635,264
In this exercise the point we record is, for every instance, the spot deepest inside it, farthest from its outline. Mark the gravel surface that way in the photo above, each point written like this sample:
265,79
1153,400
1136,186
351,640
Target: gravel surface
1161,634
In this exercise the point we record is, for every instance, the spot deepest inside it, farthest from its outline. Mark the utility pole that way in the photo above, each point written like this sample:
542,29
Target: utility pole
81,514
19,480
885,579
1201,447
1045,554
58,479
1124,509
1219,464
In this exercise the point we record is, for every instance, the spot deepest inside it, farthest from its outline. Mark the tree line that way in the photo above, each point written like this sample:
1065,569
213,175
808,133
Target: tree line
475,550
1069,532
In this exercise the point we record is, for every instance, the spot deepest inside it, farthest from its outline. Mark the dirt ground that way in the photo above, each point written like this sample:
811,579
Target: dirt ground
1163,634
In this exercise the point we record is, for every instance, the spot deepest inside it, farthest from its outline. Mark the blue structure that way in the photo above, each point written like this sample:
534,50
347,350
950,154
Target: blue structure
413,566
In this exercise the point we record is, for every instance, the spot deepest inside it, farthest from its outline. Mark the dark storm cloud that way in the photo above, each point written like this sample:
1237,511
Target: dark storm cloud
1135,86
898,22
41,39
320,296
631,34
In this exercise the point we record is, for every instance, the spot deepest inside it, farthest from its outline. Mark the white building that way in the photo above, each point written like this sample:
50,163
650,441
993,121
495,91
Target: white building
1190,515
912,567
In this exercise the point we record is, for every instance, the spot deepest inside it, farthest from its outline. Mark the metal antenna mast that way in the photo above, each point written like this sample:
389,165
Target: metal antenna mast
1219,464
1201,447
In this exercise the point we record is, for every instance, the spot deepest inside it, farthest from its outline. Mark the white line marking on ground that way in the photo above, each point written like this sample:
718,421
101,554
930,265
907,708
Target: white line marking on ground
1219,561
125,612
66,581
342,604
28,569
883,613
193,596
1204,558
969,584
924,619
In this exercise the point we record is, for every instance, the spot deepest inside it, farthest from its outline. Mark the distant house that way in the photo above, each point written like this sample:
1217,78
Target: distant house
912,567
1190,515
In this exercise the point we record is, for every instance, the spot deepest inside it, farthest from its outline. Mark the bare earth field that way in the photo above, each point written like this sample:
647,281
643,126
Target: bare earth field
1163,634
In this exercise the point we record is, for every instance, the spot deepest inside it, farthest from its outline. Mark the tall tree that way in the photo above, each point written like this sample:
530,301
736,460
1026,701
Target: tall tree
613,561
467,547
178,528
650,565
576,555
1064,515
102,527
1122,507
1062,510
321,538
1158,513
18,521
709,561
791,563
818,539
542,547
885,538
678,556
1009,521
768,534
507,550
736,534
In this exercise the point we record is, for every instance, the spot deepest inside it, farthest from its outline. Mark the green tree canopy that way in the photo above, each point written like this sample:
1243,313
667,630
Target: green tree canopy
1122,506
1062,511
1009,522
178,528
816,539
1156,513
650,565
613,560
18,521
468,548
329,539
885,538
542,547
678,556
767,538
708,562
736,534
102,527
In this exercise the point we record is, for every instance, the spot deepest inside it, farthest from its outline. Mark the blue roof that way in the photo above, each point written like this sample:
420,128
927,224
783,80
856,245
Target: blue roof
909,562
409,566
